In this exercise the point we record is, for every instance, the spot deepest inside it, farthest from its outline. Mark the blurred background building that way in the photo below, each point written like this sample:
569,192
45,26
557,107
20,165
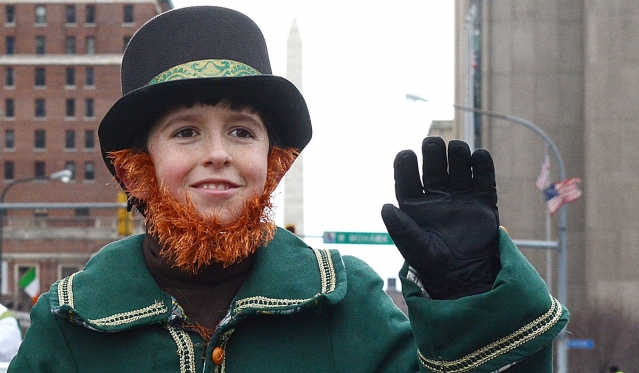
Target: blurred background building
60,65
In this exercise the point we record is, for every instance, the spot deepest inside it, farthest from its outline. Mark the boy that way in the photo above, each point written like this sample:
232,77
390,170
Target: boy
199,140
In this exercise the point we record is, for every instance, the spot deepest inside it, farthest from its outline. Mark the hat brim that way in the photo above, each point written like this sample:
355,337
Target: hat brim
133,115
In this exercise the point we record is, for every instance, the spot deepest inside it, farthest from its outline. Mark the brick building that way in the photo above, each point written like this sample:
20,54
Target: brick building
60,65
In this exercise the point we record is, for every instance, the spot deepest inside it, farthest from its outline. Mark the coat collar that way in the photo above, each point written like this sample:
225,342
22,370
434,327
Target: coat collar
115,291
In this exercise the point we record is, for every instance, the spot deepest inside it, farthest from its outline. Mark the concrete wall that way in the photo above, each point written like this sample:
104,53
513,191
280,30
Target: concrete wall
532,68
611,136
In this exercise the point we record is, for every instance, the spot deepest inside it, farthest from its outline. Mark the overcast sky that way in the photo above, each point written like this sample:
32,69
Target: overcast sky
359,60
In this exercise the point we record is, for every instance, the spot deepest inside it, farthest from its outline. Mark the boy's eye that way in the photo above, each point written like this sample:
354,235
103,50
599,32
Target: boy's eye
185,132
242,132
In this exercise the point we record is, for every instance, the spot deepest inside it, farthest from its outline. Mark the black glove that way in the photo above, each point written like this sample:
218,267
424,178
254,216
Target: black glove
447,229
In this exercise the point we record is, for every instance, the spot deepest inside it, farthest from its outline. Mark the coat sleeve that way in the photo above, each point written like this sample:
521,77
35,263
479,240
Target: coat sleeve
44,348
511,326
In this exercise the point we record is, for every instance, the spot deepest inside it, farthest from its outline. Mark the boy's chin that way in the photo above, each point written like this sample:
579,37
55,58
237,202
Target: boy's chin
221,218
192,240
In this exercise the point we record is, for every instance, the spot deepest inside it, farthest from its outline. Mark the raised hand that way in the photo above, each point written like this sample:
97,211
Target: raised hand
447,224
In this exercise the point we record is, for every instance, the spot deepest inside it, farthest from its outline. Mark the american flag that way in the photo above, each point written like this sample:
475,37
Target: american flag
562,192
544,175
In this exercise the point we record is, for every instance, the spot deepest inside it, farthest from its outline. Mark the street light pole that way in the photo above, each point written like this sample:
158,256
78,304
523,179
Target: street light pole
562,292
62,175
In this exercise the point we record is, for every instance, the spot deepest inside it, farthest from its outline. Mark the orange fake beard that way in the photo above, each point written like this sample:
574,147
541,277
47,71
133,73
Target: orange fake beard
192,241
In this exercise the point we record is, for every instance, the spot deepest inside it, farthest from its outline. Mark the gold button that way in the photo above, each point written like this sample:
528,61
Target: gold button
218,355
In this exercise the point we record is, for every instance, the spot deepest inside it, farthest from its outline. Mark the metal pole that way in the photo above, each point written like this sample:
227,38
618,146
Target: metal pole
548,235
534,244
63,175
469,119
61,205
562,347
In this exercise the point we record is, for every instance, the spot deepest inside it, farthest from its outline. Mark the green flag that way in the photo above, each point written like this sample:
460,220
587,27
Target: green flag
30,283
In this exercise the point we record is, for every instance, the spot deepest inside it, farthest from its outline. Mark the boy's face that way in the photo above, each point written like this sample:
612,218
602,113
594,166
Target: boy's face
215,155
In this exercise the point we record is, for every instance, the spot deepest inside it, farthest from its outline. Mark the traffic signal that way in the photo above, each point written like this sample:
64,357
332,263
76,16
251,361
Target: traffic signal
290,227
125,218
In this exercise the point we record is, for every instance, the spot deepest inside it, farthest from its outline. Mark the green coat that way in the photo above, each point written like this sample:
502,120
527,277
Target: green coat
300,310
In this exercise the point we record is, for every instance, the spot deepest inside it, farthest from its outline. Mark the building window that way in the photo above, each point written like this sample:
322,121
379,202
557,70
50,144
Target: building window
41,213
82,212
70,12
10,45
70,165
9,108
40,15
9,77
90,45
69,108
40,108
40,77
89,77
89,139
9,170
89,111
90,14
69,139
128,13
89,171
39,170
40,139
10,14
69,79
70,45
9,139
40,45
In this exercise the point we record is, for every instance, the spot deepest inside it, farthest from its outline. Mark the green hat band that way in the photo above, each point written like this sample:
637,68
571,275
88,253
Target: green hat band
205,69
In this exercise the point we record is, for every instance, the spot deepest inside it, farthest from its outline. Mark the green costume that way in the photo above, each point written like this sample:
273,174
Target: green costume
300,310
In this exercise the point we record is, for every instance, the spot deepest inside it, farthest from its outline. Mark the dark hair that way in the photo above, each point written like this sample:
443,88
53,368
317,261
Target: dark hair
234,103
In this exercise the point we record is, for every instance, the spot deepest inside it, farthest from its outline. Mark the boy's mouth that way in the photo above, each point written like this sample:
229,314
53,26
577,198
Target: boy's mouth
216,186
220,184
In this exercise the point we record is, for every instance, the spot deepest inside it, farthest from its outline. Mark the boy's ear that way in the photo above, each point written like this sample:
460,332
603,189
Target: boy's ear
128,184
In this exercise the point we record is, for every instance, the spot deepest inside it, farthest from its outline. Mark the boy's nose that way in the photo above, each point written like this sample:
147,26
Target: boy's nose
216,152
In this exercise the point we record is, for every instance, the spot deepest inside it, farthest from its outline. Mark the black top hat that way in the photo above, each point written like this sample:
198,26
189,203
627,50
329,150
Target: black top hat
194,53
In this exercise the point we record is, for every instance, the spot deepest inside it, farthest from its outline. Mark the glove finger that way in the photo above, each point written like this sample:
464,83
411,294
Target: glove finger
409,237
461,175
435,167
483,171
407,182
